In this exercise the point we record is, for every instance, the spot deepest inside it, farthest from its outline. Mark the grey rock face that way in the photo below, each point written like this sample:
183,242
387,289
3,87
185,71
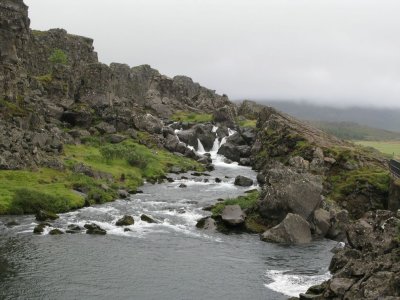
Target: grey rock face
287,191
292,230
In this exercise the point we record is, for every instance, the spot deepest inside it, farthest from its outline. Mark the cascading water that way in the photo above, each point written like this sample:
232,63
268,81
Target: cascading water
168,259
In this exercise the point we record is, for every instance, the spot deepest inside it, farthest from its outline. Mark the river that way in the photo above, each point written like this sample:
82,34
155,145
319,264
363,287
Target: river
171,259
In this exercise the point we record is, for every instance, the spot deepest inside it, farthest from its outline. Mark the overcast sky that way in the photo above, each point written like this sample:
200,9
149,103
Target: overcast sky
340,52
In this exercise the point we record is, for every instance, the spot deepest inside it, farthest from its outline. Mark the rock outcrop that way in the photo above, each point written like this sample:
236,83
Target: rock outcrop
292,230
369,268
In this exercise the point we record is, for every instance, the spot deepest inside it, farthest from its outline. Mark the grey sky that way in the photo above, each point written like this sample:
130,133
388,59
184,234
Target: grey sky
340,52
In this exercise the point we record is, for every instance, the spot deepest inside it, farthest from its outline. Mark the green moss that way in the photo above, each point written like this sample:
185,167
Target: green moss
254,223
348,182
184,116
44,79
10,108
245,202
247,123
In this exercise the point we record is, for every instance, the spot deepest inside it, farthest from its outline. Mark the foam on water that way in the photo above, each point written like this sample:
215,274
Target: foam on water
282,281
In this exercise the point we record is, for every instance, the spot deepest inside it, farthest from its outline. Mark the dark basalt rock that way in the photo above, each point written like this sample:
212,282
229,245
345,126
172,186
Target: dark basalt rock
125,221
39,229
182,185
43,215
56,232
72,228
12,223
147,219
94,229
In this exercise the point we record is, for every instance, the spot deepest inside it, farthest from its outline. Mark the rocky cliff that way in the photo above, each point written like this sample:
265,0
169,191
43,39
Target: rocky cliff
40,96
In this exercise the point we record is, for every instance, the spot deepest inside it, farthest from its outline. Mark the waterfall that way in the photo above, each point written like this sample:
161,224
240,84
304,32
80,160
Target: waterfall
214,129
231,132
200,147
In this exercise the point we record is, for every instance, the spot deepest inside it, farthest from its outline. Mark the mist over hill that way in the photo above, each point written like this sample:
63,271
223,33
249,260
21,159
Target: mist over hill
383,118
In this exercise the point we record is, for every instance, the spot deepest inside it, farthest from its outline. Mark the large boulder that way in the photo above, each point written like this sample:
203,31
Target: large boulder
230,151
322,222
225,114
125,221
233,215
207,223
243,181
288,191
147,122
292,230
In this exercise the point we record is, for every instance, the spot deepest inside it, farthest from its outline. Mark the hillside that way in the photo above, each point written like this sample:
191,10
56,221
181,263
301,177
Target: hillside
355,131
382,118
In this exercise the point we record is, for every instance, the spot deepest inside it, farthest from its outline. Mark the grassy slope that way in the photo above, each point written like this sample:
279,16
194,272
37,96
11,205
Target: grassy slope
354,131
25,191
391,148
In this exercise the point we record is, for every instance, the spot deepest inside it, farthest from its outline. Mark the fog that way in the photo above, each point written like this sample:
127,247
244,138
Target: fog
341,52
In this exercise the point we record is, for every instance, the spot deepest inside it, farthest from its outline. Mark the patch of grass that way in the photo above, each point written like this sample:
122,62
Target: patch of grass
38,32
349,182
390,148
50,189
44,79
184,116
10,108
247,123
245,202
53,190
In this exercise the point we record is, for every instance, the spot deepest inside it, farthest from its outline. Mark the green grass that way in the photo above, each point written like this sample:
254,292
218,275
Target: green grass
184,116
245,202
10,108
390,148
43,185
247,123
348,182
129,164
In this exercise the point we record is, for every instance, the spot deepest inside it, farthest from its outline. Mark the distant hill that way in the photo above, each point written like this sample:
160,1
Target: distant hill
354,131
388,119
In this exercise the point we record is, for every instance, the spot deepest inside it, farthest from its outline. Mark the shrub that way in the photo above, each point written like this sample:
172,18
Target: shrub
28,201
58,57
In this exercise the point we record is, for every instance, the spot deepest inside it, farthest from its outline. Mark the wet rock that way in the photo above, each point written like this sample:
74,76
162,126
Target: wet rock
125,221
207,223
123,194
94,229
292,230
169,179
73,228
147,219
43,215
176,170
182,185
208,208
233,215
39,229
12,223
218,180
56,231
127,229
243,181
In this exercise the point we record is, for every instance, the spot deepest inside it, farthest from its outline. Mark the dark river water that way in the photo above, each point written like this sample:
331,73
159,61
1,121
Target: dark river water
168,260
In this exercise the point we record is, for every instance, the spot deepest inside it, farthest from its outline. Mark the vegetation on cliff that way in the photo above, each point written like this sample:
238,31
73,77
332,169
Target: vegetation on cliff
191,117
